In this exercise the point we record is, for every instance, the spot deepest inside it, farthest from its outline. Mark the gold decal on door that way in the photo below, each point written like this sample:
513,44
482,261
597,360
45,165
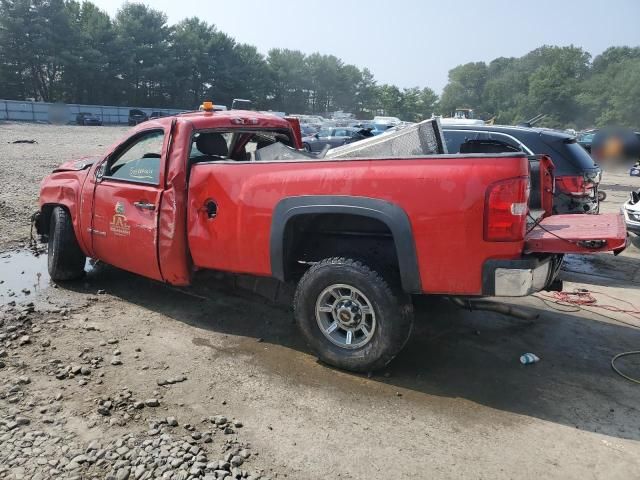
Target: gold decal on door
119,224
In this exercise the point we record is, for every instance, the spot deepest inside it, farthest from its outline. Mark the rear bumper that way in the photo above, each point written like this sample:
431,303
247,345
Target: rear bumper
520,277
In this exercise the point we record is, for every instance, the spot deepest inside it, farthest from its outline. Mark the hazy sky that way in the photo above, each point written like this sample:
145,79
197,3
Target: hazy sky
413,42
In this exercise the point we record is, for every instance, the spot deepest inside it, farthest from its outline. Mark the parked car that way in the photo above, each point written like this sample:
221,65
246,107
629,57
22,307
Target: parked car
585,139
358,237
577,174
158,115
86,118
393,121
631,212
137,116
378,128
307,130
334,137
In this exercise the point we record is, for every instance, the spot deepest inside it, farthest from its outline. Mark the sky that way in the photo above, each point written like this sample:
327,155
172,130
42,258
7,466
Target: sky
413,42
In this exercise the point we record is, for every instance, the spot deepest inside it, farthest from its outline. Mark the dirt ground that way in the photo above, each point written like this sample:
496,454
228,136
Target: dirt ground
455,404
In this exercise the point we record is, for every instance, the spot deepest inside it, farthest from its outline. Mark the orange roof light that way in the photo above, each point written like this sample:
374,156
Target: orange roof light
207,106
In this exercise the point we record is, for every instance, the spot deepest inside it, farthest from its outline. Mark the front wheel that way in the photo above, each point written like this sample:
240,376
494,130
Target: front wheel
350,316
66,260
306,146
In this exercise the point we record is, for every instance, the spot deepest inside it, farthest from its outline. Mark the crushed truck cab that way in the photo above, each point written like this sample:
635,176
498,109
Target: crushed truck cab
357,233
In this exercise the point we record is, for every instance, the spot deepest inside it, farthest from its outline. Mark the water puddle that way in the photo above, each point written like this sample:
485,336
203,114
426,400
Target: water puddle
21,274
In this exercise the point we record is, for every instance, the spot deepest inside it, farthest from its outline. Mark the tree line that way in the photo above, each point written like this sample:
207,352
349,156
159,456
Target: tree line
67,51
564,83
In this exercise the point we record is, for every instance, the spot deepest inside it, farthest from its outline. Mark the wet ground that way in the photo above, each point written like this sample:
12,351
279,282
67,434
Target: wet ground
21,273
455,403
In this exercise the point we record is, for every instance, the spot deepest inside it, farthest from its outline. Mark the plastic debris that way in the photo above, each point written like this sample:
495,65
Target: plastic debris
529,358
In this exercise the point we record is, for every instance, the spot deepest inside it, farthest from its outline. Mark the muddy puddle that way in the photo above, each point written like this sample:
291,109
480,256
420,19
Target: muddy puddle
23,274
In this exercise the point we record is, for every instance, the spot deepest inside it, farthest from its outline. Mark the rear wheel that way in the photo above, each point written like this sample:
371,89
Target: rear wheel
66,260
350,315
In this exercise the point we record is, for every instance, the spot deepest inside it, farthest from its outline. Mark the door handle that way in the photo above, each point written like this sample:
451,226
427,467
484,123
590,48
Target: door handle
144,205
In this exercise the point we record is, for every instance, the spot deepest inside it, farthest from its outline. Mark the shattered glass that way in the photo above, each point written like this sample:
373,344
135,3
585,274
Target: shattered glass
280,151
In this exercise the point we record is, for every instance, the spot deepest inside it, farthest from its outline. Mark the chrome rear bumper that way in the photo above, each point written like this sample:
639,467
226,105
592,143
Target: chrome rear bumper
519,278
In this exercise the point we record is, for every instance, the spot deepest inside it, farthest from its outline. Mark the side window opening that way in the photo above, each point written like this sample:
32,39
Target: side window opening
140,160
455,139
511,144
487,146
210,146
237,145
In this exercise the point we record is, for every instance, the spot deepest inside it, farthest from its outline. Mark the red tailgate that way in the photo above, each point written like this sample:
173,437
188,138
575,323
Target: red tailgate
578,234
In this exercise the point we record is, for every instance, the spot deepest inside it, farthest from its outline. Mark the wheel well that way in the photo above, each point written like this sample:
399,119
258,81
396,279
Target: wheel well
44,219
310,238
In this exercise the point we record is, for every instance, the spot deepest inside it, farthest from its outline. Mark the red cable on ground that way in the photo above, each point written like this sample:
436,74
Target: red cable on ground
585,298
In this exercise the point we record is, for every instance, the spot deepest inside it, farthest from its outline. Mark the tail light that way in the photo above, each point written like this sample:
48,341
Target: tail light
575,186
506,207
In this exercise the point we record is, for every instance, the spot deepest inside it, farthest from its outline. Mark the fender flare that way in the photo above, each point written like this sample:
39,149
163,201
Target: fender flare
393,216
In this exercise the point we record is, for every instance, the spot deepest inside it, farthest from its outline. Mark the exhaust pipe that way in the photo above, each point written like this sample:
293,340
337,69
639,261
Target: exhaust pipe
473,304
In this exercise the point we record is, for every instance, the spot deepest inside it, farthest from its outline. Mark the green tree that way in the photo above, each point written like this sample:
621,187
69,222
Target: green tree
191,69
290,80
36,38
465,87
610,95
142,50
251,79
556,82
390,98
367,100
90,76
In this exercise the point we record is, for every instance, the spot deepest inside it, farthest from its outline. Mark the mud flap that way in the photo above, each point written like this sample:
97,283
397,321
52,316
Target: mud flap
578,234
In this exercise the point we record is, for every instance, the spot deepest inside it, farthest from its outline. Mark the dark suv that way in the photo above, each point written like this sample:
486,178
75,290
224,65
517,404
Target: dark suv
137,116
577,175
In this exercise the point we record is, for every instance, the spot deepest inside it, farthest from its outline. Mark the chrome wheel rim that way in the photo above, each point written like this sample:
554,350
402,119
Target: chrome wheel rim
345,316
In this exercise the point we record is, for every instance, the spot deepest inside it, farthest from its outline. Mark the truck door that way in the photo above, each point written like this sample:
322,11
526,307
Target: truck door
126,201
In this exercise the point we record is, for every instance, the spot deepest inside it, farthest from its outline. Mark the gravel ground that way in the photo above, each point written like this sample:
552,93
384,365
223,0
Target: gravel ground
121,377
24,165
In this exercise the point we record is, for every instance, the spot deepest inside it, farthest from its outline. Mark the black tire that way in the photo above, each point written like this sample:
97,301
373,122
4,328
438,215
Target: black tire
66,261
306,146
602,195
393,314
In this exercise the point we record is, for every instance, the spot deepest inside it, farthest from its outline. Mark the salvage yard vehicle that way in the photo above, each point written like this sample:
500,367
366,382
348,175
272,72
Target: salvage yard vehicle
631,211
334,137
86,118
577,174
137,116
356,236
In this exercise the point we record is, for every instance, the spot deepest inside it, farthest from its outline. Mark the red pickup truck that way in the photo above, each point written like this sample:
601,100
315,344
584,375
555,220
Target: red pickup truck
357,236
